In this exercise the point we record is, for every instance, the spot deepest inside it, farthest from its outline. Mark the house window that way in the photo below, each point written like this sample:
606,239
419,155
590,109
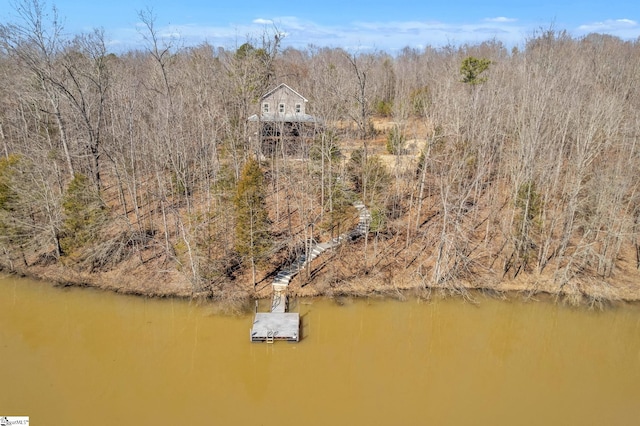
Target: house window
281,108
298,108
265,107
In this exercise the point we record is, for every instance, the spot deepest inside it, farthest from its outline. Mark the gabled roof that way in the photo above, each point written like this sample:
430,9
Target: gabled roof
270,92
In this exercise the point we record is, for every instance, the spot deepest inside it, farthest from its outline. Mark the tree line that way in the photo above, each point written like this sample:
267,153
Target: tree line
498,163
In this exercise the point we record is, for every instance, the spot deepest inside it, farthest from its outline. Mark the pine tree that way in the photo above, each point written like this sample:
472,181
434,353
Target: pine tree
471,69
83,213
12,234
253,239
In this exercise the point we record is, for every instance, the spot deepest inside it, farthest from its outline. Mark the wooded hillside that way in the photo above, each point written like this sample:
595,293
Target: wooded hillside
482,167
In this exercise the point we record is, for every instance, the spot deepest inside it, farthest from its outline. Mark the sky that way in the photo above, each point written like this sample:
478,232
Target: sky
355,25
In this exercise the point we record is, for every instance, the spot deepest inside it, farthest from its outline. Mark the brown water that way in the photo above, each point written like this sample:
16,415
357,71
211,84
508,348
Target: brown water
84,357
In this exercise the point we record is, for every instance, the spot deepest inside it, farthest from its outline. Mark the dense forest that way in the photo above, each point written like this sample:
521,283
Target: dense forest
482,166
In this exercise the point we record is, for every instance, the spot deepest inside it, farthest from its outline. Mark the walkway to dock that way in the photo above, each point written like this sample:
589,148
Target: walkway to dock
278,324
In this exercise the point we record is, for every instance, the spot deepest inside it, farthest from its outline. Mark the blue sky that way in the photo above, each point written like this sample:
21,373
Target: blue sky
353,24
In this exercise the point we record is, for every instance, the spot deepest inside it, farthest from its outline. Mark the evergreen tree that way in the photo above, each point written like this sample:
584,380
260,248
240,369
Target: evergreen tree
471,69
369,176
253,239
84,213
395,141
12,234
8,195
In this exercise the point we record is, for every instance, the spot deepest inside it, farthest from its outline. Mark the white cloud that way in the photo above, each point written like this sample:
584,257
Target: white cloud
300,33
501,19
609,25
290,23
396,35
389,36
623,28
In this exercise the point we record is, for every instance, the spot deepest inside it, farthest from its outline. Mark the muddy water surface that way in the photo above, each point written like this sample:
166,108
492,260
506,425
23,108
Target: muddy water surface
84,357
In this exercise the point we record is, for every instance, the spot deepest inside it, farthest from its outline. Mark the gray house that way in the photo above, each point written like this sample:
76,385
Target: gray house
283,120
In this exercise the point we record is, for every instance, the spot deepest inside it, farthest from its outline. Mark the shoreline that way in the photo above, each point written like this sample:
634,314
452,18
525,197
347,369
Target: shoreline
528,288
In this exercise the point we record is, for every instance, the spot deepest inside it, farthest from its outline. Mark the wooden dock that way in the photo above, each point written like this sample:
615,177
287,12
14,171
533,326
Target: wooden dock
271,326
278,324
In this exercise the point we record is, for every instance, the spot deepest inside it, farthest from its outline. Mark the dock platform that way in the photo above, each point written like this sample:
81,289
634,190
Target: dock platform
271,326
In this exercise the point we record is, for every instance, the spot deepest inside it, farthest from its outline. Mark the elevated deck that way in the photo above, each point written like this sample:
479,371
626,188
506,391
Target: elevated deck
271,326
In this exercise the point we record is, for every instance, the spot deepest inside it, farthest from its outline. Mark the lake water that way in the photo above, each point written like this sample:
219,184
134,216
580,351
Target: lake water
85,357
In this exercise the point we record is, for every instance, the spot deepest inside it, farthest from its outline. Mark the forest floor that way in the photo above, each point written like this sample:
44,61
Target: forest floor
349,270
341,272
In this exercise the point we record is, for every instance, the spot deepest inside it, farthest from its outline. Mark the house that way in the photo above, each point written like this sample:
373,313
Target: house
283,123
